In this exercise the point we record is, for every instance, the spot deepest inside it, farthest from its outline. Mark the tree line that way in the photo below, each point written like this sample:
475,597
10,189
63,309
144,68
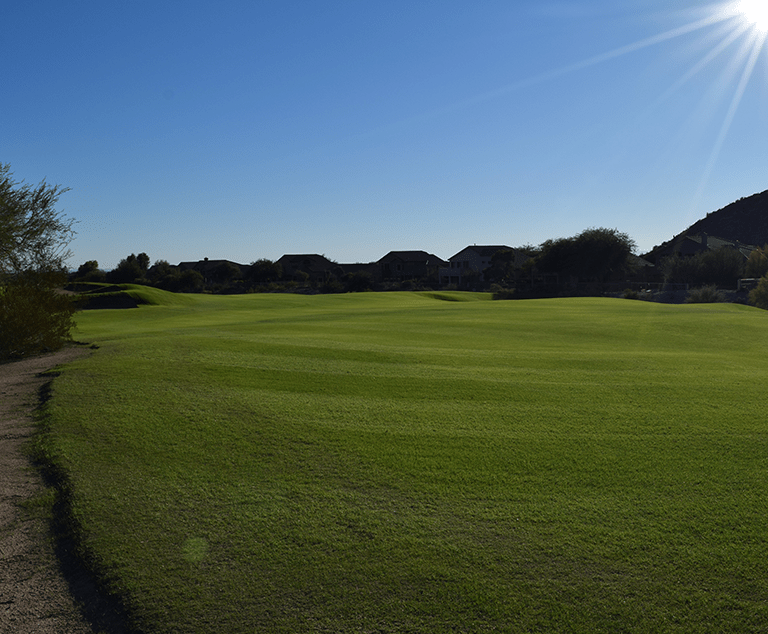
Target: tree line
591,261
35,316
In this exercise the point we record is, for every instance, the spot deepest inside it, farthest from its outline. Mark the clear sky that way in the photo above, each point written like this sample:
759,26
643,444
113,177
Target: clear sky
250,129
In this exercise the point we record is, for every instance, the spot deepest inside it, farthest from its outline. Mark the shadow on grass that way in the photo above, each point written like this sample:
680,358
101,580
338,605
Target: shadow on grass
102,610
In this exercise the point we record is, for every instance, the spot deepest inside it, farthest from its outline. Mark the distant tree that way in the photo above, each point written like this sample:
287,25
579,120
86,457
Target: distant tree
357,282
89,272
164,275
470,279
191,281
130,270
721,267
502,269
87,267
34,237
301,277
757,263
759,295
264,271
143,261
159,270
595,255
680,270
226,272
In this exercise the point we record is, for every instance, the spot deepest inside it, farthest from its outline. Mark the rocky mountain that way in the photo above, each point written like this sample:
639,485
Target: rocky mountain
745,221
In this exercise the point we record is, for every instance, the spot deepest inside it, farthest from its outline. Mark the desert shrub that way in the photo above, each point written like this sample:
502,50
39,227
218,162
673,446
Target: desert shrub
34,237
34,316
705,295
503,293
759,295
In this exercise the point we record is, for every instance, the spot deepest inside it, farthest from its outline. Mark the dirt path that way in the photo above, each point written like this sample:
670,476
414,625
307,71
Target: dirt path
37,592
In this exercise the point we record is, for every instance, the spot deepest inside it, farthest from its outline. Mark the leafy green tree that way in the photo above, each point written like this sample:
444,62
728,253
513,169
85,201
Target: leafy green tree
681,270
89,272
190,281
226,272
759,295
87,267
163,275
159,270
143,261
130,270
595,255
502,269
264,271
722,267
34,239
357,282
757,263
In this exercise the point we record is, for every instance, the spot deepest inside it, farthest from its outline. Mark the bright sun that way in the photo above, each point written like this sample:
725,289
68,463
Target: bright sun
755,12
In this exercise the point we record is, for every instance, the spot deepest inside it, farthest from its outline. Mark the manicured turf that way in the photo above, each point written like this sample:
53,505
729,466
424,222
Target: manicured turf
400,463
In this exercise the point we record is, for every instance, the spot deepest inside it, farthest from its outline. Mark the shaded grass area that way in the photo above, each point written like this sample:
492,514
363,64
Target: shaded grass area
400,463
96,295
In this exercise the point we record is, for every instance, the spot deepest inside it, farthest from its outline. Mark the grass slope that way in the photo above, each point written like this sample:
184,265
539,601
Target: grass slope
399,463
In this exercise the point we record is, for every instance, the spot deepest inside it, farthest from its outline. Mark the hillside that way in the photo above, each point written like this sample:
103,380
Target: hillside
745,221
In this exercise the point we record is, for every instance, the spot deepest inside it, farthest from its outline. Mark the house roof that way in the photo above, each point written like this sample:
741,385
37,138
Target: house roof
312,260
412,256
484,250
357,266
636,260
208,265
698,242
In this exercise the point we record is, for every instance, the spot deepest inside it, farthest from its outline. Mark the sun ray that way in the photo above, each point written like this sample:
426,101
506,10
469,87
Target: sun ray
756,48
702,63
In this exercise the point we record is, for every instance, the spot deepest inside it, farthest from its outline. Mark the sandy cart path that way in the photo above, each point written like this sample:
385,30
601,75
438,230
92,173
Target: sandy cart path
37,592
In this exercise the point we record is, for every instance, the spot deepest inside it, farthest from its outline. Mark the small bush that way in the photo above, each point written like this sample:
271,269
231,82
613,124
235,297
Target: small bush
705,295
759,295
504,293
34,316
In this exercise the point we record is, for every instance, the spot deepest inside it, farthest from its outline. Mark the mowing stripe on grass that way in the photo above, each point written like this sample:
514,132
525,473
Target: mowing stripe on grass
401,463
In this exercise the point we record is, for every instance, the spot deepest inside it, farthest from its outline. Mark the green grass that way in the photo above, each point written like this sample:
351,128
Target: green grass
142,294
399,463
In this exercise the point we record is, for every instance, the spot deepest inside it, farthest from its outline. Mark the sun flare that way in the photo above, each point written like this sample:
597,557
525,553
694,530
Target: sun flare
755,12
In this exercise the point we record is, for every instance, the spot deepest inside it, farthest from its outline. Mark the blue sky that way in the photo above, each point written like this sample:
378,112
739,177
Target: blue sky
250,129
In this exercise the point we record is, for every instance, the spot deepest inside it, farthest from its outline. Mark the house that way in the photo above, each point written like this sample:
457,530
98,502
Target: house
409,265
317,267
215,271
690,245
475,258
642,271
